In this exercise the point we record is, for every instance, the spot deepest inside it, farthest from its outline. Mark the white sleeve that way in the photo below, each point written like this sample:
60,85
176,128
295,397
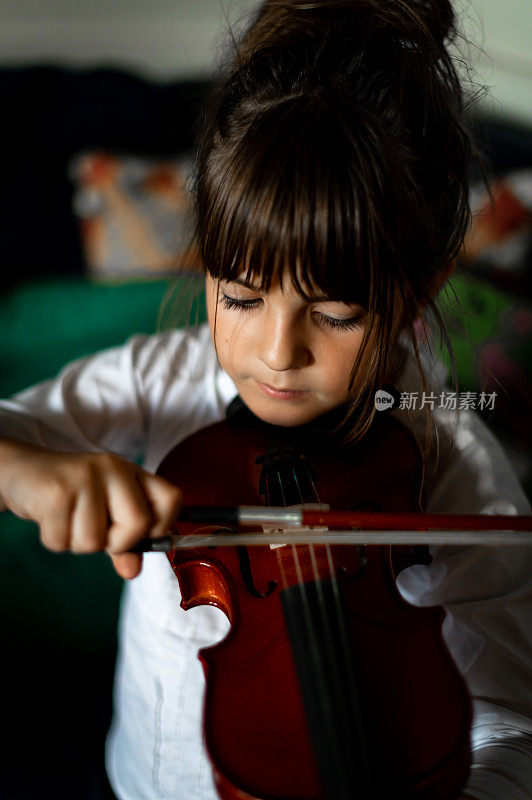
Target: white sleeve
101,402
487,594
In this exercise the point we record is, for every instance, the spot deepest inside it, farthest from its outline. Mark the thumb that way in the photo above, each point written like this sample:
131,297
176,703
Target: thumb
128,565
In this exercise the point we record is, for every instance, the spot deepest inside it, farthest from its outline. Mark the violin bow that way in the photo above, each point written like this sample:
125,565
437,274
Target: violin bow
317,524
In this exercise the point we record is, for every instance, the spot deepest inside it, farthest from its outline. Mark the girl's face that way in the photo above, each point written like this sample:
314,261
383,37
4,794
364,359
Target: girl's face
289,358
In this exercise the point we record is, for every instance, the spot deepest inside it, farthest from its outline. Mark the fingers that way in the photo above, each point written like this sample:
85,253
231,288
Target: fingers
143,506
129,511
128,565
165,500
158,502
89,518
101,501
55,526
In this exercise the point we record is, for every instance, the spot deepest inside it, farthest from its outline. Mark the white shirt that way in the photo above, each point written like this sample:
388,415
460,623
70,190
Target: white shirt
143,398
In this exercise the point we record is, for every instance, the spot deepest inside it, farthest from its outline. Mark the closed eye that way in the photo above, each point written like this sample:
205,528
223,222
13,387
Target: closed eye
243,305
333,323
350,324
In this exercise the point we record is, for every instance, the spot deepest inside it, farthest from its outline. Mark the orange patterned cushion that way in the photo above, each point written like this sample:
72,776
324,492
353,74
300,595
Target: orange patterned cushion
136,214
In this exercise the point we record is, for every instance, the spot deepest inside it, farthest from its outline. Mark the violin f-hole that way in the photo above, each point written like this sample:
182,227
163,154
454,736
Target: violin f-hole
247,575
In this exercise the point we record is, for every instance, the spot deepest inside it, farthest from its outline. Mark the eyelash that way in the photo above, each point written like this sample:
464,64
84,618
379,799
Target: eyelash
335,324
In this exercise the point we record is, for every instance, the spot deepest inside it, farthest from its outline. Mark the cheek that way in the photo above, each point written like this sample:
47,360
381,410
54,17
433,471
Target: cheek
232,340
338,358
339,371
337,364
221,323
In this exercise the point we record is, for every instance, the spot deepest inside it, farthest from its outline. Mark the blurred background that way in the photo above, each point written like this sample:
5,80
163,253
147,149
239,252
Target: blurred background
100,101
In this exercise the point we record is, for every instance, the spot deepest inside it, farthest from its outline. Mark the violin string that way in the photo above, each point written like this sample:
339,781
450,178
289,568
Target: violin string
342,648
295,557
354,703
340,616
278,549
332,574
281,568
330,656
328,721
310,628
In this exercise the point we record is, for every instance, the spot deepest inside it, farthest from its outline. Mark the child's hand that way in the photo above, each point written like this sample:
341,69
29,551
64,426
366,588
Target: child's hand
86,502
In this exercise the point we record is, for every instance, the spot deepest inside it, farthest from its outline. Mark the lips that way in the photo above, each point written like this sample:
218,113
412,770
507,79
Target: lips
282,394
280,388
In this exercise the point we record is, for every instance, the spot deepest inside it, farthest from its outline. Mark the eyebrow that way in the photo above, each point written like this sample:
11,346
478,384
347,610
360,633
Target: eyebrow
314,298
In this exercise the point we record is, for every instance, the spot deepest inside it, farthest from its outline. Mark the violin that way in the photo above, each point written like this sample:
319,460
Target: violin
328,684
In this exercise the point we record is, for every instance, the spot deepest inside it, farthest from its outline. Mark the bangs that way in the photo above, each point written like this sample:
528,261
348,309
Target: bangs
297,195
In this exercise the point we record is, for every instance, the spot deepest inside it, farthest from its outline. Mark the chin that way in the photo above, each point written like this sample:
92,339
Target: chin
283,414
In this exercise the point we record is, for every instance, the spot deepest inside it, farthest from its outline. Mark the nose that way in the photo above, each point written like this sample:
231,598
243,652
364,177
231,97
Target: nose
284,344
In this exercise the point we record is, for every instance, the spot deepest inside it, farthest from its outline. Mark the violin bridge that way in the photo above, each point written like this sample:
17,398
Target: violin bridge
273,529
297,530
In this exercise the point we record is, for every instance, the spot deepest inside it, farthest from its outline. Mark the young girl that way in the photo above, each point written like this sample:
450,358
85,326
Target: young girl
331,197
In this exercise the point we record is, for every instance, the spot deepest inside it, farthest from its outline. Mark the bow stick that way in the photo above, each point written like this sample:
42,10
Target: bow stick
317,524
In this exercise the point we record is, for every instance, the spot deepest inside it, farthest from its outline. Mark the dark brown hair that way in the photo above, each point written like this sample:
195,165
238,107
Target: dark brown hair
334,146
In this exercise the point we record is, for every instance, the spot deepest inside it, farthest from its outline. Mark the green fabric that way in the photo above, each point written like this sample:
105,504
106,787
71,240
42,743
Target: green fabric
474,316
43,326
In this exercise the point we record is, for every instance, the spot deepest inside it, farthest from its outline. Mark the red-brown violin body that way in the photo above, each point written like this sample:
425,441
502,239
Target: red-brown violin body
284,674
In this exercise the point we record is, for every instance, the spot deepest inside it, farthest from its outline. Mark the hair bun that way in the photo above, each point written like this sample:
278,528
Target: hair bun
418,25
